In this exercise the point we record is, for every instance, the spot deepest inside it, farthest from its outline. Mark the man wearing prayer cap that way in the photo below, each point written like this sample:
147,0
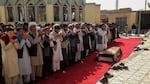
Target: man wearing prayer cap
65,32
56,35
10,45
35,51
47,52
79,41
25,27
23,55
70,25
72,42
56,26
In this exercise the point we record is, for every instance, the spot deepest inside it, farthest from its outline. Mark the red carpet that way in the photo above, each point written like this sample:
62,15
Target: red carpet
90,71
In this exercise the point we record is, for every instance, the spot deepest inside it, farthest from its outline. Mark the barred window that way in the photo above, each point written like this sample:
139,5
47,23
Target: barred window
80,13
31,12
42,13
65,13
20,12
73,13
10,15
56,12
122,22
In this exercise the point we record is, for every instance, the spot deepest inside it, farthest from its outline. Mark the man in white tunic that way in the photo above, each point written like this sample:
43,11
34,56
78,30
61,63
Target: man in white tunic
10,45
80,43
56,35
24,58
102,38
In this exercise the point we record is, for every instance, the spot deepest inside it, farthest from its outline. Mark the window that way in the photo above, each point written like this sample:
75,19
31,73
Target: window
20,12
31,12
122,22
80,13
10,15
73,12
105,21
56,12
42,13
65,13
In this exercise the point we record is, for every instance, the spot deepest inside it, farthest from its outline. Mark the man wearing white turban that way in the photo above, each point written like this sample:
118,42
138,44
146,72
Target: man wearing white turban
56,35
35,51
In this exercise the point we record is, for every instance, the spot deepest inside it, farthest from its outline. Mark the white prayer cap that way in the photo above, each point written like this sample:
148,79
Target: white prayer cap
50,28
38,28
106,26
75,23
82,24
93,24
56,26
47,27
32,23
70,25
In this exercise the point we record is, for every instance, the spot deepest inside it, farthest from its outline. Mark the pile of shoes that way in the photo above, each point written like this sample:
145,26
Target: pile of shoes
146,49
121,66
138,49
104,80
142,43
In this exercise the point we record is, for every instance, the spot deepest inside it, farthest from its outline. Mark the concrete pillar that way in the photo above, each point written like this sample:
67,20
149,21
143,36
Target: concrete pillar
2,14
36,13
25,12
69,14
49,13
61,14
15,12
139,25
77,14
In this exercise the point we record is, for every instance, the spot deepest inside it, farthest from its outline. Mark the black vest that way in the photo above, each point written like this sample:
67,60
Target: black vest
20,53
33,49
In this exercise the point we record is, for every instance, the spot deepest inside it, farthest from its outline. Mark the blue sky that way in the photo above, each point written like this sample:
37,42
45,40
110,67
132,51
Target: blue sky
110,4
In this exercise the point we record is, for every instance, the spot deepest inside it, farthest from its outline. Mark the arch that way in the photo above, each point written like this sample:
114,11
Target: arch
76,3
68,3
73,13
41,12
41,3
31,12
9,12
58,2
81,13
65,12
20,11
80,7
56,8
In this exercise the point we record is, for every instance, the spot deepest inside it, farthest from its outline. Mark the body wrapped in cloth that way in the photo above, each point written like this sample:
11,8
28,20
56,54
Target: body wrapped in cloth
112,54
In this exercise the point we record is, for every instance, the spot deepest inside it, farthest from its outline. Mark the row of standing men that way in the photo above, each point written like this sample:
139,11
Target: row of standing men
33,52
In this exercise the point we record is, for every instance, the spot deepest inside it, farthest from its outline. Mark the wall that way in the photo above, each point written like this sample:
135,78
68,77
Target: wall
131,18
92,13
49,13
97,12
2,14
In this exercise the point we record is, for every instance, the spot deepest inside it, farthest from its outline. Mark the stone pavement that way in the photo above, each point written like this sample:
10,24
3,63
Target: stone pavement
139,68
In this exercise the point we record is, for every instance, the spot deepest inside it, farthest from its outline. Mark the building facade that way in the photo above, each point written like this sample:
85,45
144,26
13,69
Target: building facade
125,18
47,11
